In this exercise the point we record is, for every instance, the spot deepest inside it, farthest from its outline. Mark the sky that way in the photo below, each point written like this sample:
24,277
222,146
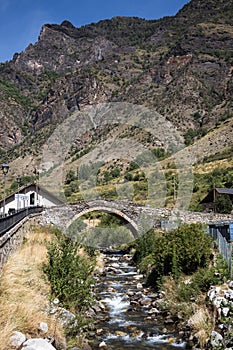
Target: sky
21,20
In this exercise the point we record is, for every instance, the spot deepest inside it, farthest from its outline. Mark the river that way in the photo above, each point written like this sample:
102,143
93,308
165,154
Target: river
129,318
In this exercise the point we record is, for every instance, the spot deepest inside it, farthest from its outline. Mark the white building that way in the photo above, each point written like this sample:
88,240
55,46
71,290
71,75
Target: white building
29,196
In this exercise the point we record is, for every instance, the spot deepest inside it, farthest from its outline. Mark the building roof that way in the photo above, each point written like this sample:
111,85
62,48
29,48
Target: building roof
36,187
209,198
224,190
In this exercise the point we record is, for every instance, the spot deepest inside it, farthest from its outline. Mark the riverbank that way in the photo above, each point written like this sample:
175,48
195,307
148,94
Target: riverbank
126,313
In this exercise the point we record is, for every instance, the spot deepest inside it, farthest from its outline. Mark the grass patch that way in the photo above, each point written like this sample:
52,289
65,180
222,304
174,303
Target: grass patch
24,293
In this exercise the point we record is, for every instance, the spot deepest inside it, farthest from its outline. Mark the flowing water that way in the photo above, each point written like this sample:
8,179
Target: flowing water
131,319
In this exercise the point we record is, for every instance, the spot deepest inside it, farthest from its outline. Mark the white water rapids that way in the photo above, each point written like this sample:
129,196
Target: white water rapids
130,325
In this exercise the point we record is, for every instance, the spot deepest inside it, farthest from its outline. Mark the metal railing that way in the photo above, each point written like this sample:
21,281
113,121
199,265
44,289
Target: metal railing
9,221
224,247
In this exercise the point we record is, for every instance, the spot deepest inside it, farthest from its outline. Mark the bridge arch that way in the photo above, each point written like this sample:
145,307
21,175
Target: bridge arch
131,224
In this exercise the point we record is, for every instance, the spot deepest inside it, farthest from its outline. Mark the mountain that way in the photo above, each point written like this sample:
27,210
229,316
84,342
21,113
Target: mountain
180,66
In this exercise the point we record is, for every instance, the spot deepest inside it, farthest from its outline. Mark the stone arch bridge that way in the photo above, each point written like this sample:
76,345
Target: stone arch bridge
138,218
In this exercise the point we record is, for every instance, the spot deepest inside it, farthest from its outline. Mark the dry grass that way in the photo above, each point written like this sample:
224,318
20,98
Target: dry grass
195,314
24,293
208,167
201,325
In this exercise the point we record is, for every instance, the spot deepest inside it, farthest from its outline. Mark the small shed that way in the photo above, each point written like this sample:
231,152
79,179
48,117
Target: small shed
29,196
208,203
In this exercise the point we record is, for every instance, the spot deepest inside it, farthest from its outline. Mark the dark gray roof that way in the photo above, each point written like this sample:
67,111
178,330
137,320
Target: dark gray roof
225,190
210,196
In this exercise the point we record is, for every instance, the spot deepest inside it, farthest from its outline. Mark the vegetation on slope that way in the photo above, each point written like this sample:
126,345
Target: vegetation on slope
183,265
179,65
27,295
130,182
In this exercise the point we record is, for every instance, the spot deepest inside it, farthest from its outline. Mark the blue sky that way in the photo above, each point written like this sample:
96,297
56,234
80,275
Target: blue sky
21,20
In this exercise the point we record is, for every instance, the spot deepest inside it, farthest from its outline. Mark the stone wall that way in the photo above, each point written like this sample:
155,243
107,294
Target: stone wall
13,238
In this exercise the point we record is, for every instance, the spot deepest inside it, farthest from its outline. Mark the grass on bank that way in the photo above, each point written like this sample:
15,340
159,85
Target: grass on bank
48,265
24,293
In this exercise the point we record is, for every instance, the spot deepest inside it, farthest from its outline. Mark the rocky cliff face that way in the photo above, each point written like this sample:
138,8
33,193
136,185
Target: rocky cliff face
181,66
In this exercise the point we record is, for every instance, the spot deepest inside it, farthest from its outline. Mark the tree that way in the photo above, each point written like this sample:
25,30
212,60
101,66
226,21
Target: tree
223,204
189,136
70,176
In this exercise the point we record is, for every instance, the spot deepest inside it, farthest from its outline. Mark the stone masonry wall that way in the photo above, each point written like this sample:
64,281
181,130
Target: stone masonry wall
12,239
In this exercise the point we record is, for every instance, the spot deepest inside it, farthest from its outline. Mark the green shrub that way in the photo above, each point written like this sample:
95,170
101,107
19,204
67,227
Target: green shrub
71,188
193,246
181,251
144,246
146,263
160,153
128,176
186,291
115,173
201,281
115,237
70,176
133,166
109,220
191,134
110,230
204,278
69,274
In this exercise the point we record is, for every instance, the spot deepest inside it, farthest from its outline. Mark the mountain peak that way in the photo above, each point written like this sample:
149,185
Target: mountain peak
67,24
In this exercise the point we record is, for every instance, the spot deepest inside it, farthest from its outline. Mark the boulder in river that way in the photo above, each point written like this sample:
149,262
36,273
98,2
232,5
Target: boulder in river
121,333
145,301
